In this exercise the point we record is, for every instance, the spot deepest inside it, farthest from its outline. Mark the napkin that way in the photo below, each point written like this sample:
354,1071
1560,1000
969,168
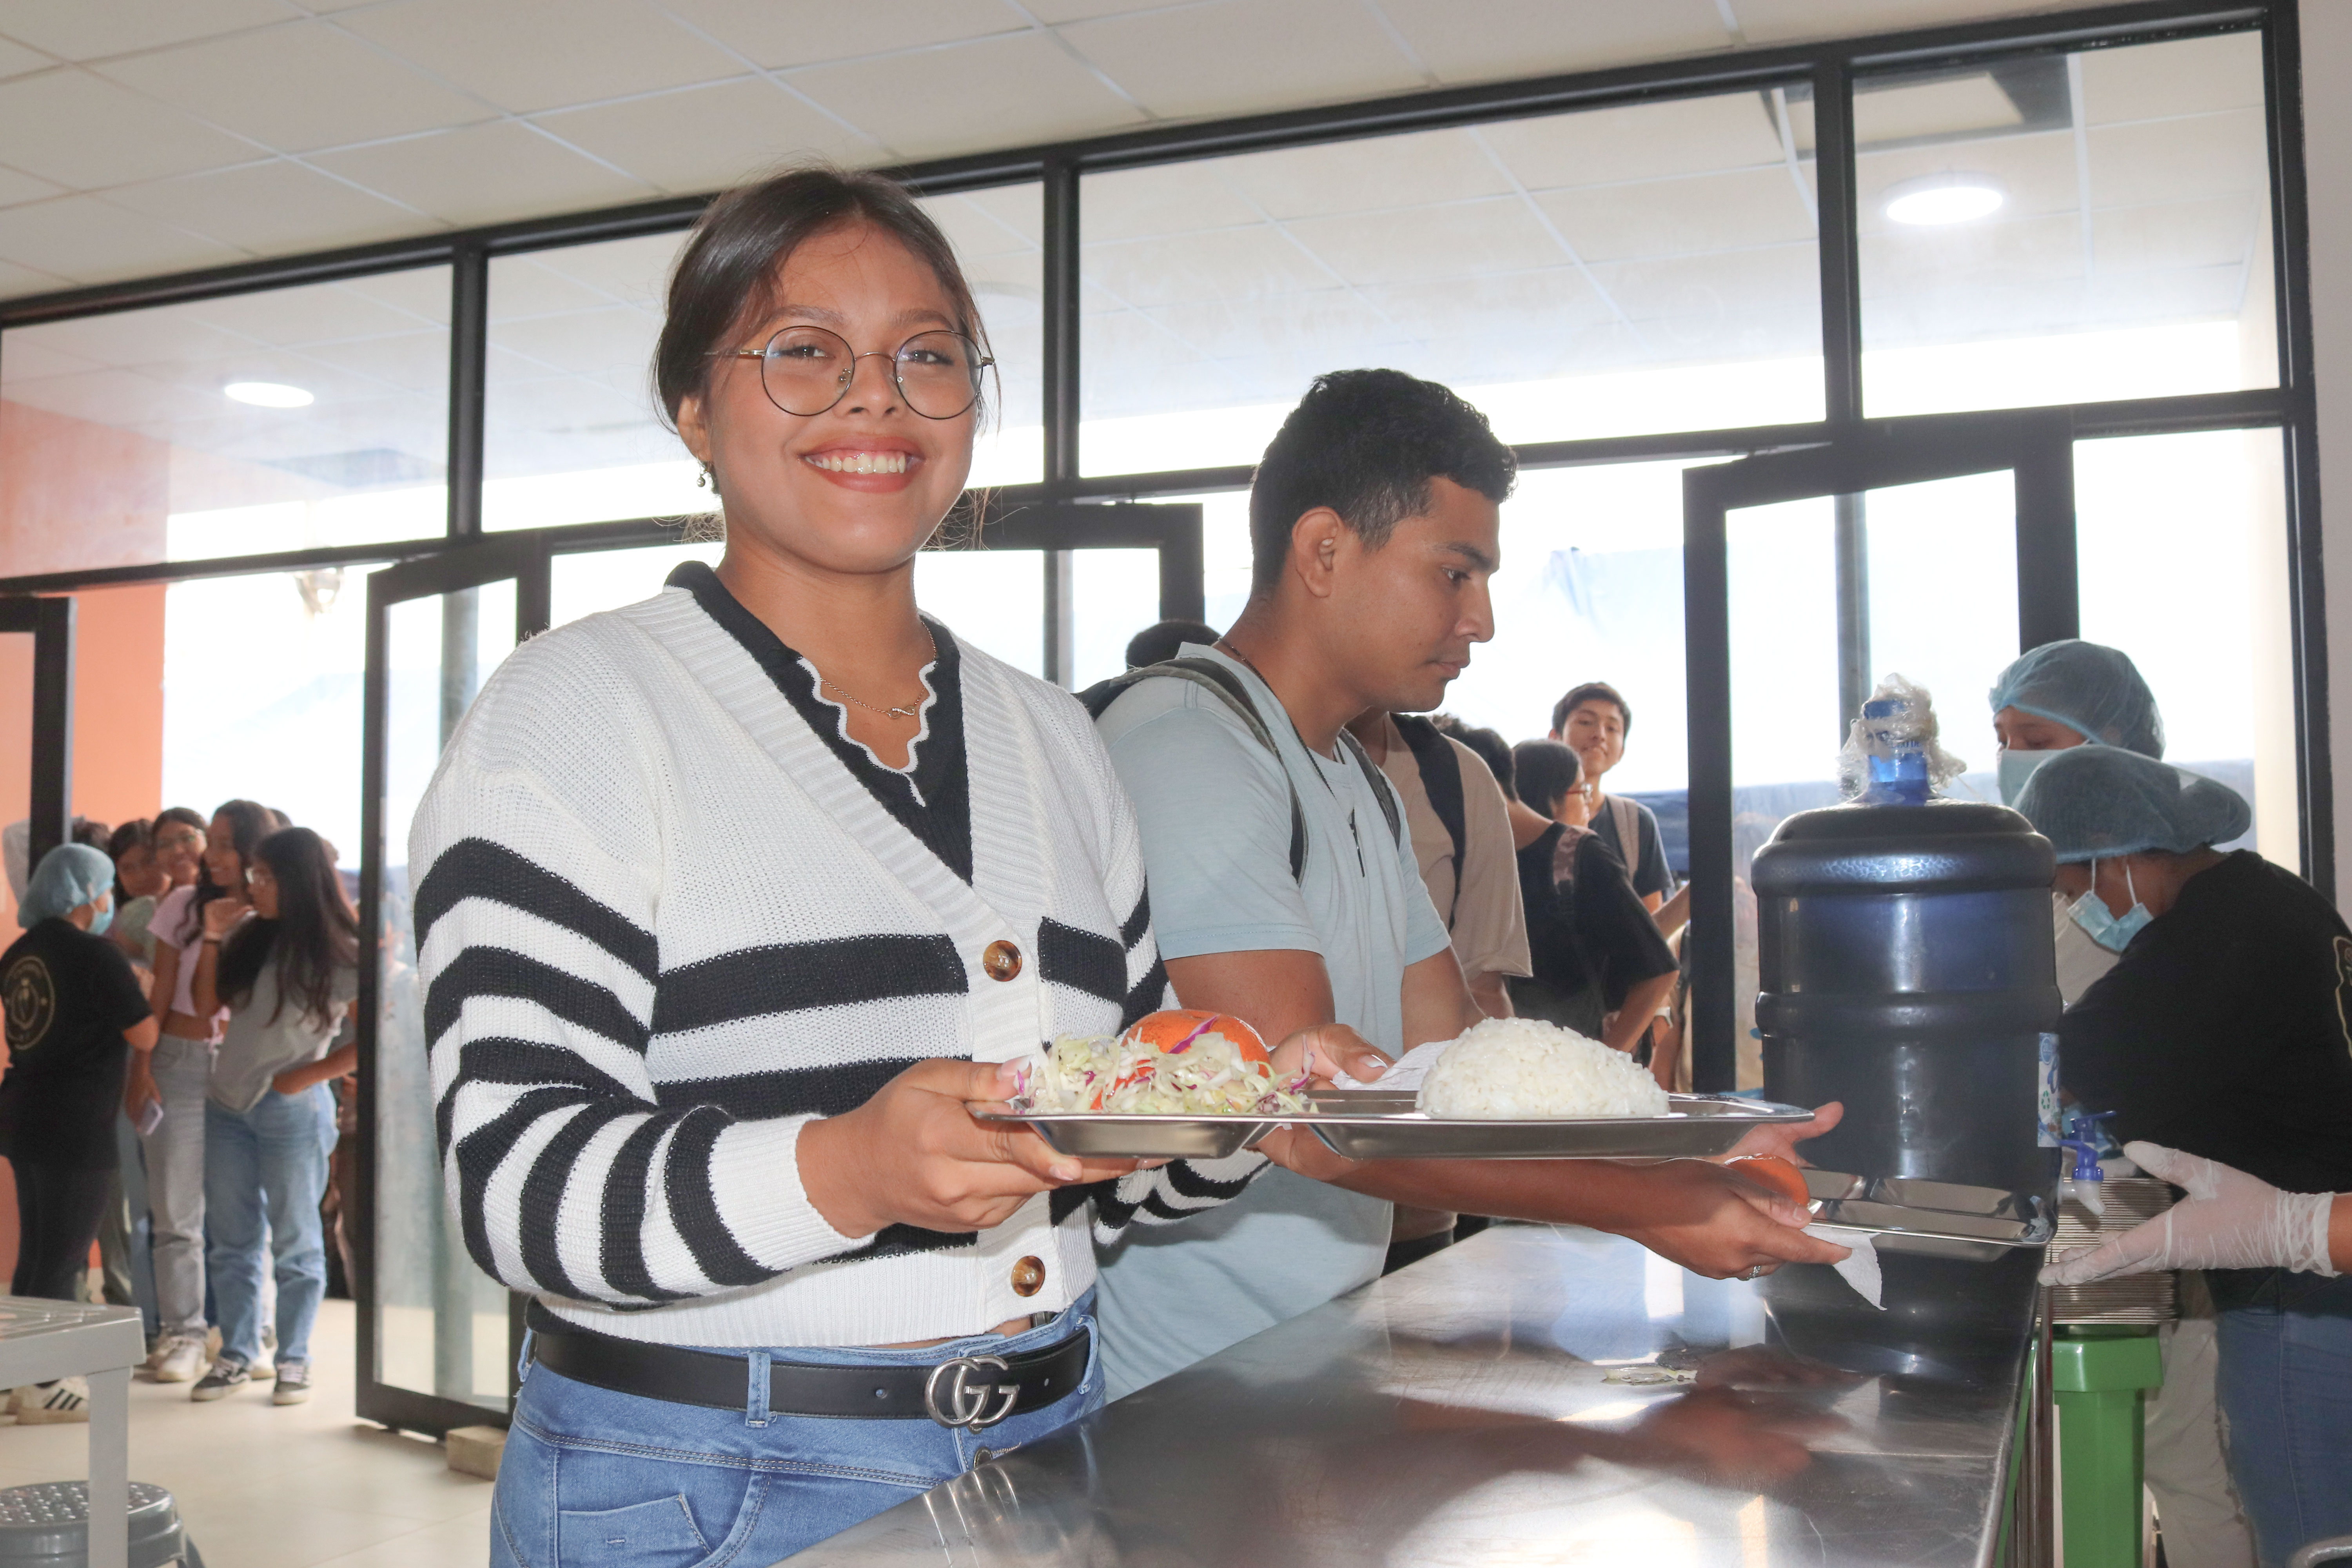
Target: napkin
1404,1074
1859,1268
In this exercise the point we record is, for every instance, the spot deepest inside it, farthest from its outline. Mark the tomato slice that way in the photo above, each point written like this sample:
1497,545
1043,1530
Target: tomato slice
1774,1171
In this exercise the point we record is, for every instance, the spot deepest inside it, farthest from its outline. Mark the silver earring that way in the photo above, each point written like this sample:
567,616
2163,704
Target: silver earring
702,480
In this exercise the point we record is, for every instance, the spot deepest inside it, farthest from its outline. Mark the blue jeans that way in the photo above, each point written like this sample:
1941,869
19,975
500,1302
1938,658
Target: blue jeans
592,1478
268,1163
2285,1382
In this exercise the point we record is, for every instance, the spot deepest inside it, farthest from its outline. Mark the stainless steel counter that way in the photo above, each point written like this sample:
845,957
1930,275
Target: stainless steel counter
1533,1396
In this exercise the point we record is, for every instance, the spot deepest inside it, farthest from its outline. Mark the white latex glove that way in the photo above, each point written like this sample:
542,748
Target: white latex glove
2230,1220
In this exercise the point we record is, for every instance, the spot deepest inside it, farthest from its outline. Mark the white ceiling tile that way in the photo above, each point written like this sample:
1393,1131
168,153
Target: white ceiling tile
421,291
1479,40
1729,211
1245,55
1639,141
272,208
707,138
83,239
16,59
321,313
2035,173
1163,198
1492,235
80,30
17,281
1052,12
997,231
633,271
530,54
68,126
1784,21
299,87
524,287
1381,174
999,93
777,35
16,187
2179,160
1223,265
485,173
2187,76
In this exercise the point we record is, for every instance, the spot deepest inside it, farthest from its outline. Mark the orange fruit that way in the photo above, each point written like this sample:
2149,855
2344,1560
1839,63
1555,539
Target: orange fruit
1774,1171
1172,1031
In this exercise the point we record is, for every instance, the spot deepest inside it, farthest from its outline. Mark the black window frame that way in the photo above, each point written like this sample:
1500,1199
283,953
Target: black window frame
1828,67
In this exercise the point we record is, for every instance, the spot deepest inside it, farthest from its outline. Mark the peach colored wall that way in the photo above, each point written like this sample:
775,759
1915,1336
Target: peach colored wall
75,495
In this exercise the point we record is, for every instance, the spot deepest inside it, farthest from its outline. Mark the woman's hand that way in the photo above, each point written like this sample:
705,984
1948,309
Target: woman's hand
2230,1220
139,1090
223,913
914,1154
1713,1221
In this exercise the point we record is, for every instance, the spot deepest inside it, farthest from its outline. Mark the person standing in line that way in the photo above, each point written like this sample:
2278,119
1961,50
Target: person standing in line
2048,701
1593,720
1601,966
165,1093
139,884
286,968
74,1013
1286,891
1461,832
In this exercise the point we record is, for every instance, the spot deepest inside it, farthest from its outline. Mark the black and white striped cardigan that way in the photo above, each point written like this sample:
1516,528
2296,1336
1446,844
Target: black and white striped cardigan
666,914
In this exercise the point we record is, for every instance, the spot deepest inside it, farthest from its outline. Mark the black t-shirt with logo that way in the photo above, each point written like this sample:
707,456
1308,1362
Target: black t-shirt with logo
2225,1029
69,995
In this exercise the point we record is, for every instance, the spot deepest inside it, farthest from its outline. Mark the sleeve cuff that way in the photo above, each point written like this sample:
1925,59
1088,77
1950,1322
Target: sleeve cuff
755,1182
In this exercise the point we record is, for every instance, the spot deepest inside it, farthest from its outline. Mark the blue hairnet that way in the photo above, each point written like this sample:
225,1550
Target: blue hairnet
69,877
2091,689
2093,802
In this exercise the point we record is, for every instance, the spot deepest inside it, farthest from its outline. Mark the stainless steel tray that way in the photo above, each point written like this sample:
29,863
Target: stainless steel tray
1934,1219
1371,1124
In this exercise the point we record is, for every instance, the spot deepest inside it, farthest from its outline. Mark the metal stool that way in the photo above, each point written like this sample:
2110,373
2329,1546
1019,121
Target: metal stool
47,1525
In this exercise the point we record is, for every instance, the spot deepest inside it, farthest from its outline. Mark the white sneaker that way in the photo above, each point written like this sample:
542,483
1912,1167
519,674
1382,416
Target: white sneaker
180,1359
45,1404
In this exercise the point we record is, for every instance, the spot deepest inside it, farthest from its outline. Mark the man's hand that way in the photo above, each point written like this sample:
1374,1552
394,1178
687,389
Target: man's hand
914,1154
139,1088
1322,1051
1711,1222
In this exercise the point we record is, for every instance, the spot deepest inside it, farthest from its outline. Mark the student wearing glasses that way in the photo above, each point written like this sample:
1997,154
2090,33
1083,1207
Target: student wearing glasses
728,902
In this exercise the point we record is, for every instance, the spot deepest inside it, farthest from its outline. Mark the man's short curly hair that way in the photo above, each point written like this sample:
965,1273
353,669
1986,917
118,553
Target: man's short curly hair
1366,443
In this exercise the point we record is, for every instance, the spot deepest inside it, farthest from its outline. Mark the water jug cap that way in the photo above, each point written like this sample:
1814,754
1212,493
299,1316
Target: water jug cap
2086,1160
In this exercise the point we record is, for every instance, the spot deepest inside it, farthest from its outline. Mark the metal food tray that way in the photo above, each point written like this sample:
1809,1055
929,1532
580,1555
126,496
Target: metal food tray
1934,1219
1374,1125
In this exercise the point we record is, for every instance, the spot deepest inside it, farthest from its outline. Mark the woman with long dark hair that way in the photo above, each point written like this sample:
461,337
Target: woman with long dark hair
287,970
728,902
174,1075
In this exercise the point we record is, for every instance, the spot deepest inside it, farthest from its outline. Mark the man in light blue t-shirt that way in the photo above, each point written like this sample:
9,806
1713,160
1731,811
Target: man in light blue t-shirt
1373,525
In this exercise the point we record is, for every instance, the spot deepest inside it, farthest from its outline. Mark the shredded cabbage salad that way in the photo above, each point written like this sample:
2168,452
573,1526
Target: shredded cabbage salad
1208,1075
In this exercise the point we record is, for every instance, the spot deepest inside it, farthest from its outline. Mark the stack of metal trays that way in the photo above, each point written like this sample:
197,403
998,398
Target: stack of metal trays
2134,1299
1934,1219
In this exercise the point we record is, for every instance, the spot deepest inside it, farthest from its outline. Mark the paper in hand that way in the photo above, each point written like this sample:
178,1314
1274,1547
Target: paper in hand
1404,1074
1860,1267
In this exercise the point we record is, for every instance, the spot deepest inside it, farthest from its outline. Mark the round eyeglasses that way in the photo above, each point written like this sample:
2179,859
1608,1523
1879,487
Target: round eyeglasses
806,371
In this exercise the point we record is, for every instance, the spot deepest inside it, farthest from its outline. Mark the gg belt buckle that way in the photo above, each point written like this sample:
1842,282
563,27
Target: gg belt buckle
952,1401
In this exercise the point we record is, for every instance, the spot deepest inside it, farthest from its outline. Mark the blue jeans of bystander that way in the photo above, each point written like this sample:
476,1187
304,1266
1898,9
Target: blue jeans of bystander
269,1162
592,1478
2286,1384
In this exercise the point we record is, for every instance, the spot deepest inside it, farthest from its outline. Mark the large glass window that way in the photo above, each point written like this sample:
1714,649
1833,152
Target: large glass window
573,432
2183,548
1646,268
2062,228
283,420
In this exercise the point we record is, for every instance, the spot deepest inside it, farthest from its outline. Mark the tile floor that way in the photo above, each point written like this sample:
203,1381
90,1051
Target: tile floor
304,1486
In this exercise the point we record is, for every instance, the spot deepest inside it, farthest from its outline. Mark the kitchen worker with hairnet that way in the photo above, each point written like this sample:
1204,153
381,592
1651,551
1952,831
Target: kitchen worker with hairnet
2225,1031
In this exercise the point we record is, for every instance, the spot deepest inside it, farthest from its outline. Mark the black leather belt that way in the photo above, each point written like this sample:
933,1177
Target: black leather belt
972,1391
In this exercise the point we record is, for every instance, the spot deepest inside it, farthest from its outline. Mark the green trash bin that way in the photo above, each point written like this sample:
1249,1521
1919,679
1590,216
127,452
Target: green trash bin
2099,1378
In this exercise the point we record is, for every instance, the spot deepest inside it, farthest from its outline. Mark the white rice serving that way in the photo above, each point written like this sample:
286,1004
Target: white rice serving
1521,1069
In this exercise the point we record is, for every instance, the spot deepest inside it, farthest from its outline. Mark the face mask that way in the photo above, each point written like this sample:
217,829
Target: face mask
2102,925
2015,768
100,920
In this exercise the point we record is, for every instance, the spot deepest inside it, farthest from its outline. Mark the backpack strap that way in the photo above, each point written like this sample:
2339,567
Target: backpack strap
1382,791
1215,677
1440,779
1626,817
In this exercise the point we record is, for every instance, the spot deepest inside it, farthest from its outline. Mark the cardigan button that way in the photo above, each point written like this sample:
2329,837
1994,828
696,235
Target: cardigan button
1028,1277
1001,959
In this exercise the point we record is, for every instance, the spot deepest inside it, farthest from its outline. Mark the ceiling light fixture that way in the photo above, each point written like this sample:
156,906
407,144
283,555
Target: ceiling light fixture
1944,199
267,394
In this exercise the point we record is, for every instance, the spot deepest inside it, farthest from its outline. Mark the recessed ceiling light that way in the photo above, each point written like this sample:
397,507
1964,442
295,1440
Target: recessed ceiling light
1944,198
267,394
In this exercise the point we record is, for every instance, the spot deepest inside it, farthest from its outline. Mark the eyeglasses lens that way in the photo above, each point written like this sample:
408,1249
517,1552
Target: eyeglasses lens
806,370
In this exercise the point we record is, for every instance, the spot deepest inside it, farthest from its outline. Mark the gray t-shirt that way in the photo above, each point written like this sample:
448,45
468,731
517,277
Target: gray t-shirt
1215,820
256,1048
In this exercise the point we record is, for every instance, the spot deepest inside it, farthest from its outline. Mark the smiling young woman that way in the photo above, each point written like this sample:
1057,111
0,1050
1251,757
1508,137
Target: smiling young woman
728,902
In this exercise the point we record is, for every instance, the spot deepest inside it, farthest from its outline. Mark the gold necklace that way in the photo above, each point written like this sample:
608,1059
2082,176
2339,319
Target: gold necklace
914,711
